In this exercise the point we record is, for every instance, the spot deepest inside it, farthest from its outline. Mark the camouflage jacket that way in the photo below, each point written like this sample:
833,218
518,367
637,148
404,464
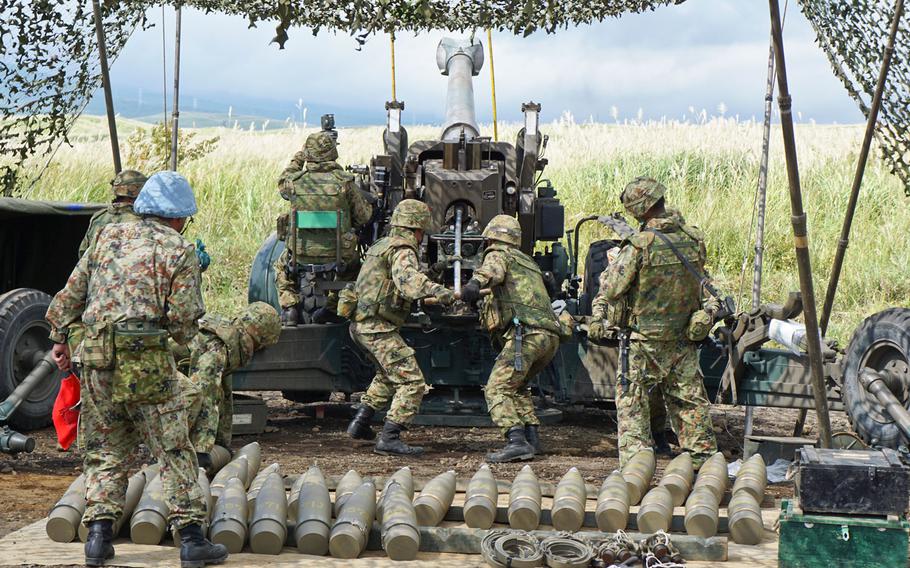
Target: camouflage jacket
117,212
659,291
220,348
389,280
143,270
298,162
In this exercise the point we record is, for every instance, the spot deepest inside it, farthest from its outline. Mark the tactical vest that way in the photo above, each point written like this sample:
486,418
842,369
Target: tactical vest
377,295
665,294
523,294
318,197
229,334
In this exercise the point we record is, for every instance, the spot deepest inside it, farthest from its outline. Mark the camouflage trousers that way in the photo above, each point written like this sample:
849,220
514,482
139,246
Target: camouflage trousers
671,366
209,409
110,434
398,378
507,392
287,289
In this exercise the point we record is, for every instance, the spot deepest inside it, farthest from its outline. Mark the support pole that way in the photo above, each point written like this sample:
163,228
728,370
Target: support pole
106,85
493,85
860,168
392,49
800,234
175,115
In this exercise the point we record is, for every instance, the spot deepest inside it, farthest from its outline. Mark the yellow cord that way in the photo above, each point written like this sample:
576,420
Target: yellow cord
392,43
493,85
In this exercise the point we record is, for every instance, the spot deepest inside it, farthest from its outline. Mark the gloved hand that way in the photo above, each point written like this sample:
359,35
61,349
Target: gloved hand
711,305
470,292
204,259
444,296
596,329
437,269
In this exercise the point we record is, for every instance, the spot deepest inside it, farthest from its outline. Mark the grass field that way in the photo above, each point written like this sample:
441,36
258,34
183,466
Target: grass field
711,171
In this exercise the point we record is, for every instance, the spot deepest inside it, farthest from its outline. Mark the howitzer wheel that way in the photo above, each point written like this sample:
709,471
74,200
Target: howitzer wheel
882,343
23,342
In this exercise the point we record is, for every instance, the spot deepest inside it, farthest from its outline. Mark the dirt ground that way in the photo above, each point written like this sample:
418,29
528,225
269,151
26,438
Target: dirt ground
31,484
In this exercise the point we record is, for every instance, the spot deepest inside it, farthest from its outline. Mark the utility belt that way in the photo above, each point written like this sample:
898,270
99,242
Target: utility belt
137,353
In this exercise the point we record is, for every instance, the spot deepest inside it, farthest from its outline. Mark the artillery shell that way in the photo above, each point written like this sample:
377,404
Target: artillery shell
400,537
752,477
66,516
678,478
403,478
713,474
612,512
524,501
568,511
744,514
313,517
268,528
638,473
701,512
150,518
220,457
256,486
352,527
345,488
253,454
229,518
134,488
237,468
481,499
656,510
434,501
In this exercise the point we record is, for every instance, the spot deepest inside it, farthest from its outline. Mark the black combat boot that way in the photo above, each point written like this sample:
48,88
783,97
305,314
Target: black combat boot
359,428
196,551
517,447
662,445
205,462
533,437
98,547
390,444
326,315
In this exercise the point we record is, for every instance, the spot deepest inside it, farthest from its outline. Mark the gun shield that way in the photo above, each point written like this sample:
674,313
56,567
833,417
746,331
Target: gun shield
656,511
150,518
345,488
713,474
752,477
313,517
220,457
568,511
237,468
229,519
268,528
404,479
253,454
66,516
352,527
256,486
434,501
612,513
638,473
524,501
481,499
678,478
400,537
744,514
701,512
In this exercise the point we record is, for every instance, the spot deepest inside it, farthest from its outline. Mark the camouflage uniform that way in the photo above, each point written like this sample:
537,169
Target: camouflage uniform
322,187
662,295
222,346
141,271
126,186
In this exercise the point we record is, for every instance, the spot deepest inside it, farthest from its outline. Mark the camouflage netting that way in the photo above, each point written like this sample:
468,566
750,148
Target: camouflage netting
49,63
854,34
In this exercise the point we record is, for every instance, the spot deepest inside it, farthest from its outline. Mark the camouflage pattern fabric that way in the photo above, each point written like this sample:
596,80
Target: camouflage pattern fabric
641,194
319,148
144,271
208,393
118,212
507,393
398,379
672,367
128,183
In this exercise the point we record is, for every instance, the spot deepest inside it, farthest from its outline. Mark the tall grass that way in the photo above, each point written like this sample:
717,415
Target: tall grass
711,171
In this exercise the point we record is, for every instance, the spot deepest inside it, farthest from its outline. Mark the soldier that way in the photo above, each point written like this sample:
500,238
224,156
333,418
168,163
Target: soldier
126,186
660,296
525,328
389,282
322,188
222,346
137,284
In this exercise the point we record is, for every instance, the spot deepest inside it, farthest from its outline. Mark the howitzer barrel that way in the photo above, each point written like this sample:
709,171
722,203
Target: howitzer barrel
876,384
44,367
460,61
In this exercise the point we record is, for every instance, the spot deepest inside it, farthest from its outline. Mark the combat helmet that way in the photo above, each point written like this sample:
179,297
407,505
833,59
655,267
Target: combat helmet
128,183
320,147
261,323
641,194
166,194
411,214
505,229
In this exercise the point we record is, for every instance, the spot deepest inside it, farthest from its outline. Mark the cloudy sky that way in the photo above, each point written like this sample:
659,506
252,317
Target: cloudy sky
703,54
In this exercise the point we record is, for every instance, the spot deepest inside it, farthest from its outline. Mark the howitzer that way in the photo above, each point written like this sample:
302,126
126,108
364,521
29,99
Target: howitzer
12,442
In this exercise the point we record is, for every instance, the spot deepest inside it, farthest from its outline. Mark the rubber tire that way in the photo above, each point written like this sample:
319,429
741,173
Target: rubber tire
891,326
20,310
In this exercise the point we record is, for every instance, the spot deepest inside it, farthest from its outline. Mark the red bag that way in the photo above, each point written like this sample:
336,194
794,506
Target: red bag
66,411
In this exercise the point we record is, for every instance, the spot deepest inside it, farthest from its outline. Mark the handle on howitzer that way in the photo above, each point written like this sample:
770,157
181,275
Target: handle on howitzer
432,301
